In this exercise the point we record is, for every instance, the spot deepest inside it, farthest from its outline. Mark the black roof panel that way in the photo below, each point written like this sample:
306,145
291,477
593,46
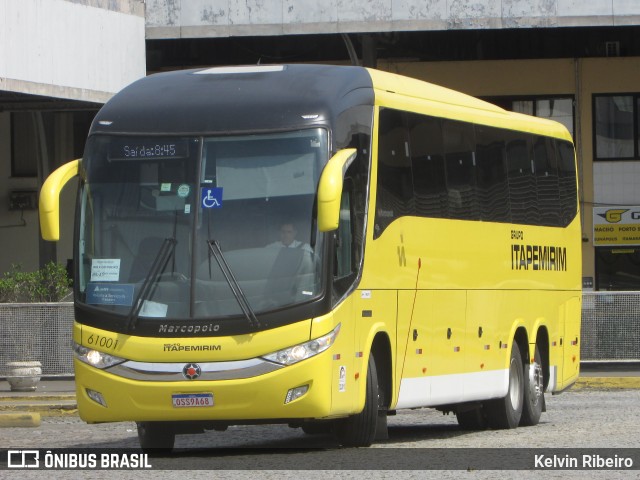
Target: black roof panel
235,99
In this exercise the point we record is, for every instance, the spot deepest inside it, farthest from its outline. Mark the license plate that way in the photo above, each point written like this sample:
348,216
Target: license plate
185,400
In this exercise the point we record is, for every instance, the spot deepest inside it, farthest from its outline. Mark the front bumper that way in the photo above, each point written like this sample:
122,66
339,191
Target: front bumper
251,399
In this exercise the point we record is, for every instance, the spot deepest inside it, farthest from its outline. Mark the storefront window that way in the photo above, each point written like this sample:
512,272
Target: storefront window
615,126
559,109
617,268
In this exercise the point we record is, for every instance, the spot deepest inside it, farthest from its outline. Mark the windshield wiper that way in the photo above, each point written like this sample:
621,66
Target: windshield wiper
162,257
241,298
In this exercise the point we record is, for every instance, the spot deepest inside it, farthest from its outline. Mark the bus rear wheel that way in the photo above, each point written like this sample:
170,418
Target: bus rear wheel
359,430
533,392
156,437
506,412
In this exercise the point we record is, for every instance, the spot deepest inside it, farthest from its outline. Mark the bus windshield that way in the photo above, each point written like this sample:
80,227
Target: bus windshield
200,227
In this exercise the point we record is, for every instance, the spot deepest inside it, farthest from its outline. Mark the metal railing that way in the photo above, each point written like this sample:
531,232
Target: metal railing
37,332
42,331
610,328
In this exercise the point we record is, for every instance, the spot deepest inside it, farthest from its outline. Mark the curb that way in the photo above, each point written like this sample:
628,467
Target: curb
48,405
51,407
24,419
27,398
607,383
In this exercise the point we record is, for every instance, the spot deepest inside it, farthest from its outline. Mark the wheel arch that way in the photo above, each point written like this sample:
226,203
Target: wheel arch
521,337
542,342
381,351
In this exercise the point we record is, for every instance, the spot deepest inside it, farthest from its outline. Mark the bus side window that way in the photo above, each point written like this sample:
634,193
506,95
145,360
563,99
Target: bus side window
493,193
395,184
344,238
522,194
459,145
546,175
567,181
427,159
344,265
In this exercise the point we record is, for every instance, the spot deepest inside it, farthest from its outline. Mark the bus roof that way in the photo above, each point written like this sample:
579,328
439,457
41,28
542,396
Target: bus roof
270,97
406,93
235,99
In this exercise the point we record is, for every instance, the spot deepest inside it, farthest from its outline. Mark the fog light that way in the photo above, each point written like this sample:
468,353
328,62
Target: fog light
296,393
96,397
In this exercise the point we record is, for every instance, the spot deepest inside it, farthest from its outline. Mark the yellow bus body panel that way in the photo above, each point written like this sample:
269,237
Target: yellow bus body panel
463,287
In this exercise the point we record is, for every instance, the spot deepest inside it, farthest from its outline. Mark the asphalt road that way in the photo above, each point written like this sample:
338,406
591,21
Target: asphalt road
578,419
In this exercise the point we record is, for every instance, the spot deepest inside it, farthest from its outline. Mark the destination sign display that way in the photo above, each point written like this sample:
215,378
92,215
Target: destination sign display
148,149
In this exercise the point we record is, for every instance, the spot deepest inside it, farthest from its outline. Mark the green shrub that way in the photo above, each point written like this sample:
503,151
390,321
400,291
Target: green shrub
49,284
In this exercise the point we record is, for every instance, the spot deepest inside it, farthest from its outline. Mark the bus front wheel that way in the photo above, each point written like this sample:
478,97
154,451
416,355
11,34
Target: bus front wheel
156,437
506,412
359,430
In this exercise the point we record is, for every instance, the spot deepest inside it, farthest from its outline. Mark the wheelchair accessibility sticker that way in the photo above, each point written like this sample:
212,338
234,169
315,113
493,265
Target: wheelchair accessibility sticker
211,197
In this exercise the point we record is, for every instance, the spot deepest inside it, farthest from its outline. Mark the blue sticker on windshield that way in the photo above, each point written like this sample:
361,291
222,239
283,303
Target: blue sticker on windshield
110,294
211,197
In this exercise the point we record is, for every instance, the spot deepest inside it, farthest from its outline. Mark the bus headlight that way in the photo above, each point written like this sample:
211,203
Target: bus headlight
95,358
291,355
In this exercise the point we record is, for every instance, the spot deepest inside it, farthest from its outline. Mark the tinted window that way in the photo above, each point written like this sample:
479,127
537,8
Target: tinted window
492,189
522,193
567,181
441,168
459,154
427,159
395,185
546,176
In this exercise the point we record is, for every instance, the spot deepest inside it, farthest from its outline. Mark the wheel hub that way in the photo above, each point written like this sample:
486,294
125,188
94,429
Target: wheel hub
536,382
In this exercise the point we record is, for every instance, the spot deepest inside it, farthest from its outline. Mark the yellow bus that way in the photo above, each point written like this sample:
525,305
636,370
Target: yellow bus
319,246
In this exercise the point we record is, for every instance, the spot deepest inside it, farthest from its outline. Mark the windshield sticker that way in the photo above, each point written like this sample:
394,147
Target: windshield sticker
211,197
183,190
153,309
165,187
110,294
105,270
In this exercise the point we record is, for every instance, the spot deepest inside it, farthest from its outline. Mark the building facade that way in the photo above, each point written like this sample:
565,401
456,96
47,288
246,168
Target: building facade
59,61
574,61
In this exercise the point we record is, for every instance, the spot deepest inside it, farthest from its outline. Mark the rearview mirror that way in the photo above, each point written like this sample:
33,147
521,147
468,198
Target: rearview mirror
49,204
330,189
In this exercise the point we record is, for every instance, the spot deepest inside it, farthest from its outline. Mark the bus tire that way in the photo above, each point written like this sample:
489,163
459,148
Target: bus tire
156,437
359,430
506,412
533,400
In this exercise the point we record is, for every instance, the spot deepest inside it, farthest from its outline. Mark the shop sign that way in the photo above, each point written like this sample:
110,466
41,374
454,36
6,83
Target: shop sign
616,225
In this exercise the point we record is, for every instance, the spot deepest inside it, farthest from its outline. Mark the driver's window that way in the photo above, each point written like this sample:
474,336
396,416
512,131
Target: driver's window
344,239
